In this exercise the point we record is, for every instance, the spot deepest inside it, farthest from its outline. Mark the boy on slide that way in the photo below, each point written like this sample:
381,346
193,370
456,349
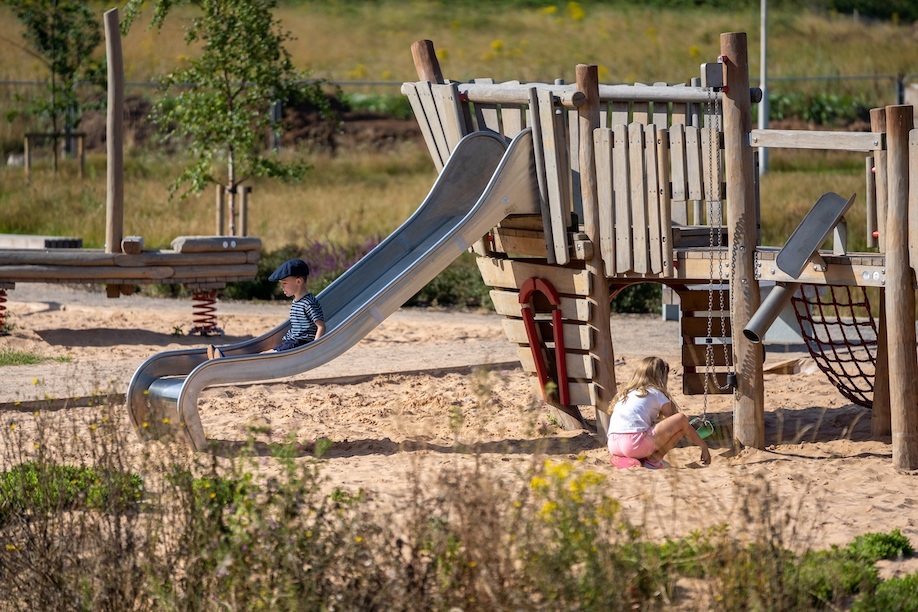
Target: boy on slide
307,321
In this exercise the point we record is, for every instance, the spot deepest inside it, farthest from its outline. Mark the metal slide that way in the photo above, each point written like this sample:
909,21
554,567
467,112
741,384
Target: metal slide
483,181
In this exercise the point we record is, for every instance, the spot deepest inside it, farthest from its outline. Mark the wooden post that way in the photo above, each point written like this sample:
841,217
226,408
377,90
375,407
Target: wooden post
900,294
749,405
81,153
244,192
603,353
114,135
220,216
26,157
880,424
426,62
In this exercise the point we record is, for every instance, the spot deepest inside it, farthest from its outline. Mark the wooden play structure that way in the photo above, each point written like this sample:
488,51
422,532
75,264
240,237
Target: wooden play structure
203,264
658,183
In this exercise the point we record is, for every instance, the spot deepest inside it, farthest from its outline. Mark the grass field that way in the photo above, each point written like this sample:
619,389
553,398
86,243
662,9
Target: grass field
358,194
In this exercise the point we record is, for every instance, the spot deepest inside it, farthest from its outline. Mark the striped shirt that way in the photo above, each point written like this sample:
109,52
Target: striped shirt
304,313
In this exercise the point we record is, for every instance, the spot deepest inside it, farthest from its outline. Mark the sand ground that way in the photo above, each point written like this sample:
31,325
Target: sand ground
431,389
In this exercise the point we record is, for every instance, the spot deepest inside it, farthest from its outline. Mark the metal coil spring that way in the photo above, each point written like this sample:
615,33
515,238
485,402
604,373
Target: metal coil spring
3,329
205,321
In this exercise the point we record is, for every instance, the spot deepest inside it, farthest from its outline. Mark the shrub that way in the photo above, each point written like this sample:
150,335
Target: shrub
872,547
893,595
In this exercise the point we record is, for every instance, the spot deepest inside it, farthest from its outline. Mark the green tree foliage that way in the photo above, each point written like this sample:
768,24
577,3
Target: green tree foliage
63,34
218,104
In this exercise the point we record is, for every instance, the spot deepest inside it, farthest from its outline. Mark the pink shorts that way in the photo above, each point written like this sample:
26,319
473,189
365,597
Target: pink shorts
638,445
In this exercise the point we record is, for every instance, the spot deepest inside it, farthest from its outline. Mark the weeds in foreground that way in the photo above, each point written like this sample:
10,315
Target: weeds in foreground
86,522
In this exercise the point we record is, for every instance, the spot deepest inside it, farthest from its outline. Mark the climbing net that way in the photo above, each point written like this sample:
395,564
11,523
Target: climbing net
843,344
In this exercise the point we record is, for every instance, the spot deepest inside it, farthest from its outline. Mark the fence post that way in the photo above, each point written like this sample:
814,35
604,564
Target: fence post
220,218
244,190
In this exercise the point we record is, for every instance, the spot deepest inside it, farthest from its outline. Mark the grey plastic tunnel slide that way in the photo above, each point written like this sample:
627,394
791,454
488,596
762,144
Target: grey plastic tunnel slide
483,181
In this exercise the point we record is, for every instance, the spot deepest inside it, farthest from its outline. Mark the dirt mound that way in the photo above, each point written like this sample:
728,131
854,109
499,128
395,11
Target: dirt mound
303,128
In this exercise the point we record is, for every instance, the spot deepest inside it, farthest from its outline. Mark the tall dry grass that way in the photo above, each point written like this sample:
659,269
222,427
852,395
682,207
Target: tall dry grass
360,194
370,41
343,200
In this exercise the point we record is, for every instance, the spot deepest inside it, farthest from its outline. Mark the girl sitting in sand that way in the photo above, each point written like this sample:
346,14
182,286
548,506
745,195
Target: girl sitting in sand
633,437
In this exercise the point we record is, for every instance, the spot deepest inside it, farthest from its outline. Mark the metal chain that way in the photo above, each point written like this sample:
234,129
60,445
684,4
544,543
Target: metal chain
715,240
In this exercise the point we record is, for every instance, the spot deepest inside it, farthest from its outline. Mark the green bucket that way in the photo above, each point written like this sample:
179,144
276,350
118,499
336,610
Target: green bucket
703,426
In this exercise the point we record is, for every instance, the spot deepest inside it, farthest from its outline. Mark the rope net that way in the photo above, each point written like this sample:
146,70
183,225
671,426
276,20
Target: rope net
843,345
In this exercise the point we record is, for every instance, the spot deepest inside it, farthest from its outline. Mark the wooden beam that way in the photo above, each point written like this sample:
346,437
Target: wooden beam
814,139
507,303
510,274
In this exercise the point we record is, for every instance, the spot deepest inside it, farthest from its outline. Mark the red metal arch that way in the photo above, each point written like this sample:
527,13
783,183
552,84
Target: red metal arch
540,285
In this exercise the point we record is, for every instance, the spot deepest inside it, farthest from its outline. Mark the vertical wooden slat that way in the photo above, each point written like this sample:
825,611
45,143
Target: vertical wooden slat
677,157
449,107
602,145
512,119
640,110
573,148
638,196
878,124
538,151
620,113
654,236
678,114
621,189
555,166
693,165
604,114
487,116
871,189
432,113
661,111
414,99
711,164
666,216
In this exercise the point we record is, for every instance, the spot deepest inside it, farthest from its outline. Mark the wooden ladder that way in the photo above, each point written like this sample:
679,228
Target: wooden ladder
701,307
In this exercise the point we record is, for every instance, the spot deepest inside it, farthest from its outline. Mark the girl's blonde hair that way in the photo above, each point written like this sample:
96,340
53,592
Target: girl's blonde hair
649,372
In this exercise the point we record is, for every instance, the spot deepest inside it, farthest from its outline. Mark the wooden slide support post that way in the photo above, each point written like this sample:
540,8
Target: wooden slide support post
900,294
531,286
742,225
599,294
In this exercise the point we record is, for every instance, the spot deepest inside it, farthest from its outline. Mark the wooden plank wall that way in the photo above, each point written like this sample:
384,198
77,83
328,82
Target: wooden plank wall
674,164
573,288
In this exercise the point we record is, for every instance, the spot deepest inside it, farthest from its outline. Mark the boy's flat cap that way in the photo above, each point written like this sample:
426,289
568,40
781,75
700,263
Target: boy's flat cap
291,267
